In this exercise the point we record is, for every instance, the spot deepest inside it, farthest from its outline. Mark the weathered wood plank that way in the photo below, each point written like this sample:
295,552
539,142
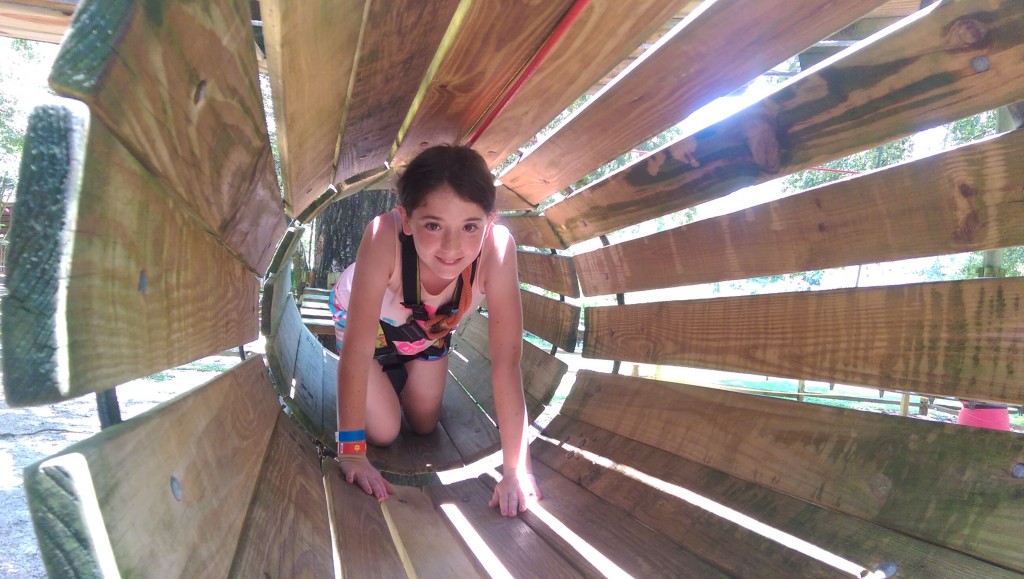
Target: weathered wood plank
433,548
533,230
276,289
916,76
283,348
507,200
750,38
601,461
515,546
944,483
387,77
552,272
959,339
492,43
177,83
39,20
556,322
967,199
287,532
196,501
108,279
574,64
413,454
470,429
307,384
320,41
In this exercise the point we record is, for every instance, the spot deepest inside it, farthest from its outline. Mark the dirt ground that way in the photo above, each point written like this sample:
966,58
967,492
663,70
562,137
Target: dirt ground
27,435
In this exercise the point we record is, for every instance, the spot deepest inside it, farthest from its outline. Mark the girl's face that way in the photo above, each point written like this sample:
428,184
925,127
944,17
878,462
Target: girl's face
448,230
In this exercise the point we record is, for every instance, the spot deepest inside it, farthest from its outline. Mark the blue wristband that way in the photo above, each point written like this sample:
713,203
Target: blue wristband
350,436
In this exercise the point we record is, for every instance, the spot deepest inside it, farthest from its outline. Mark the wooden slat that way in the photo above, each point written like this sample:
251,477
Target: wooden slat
734,549
574,64
119,486
556,322
283,347
471,430
533,230
412,454
507,200
307,382
721,55
910,79
387,76
286,249
276,290
108,279
552,272
494,41
515,546
434,549
941,482
967,199
959,339
177,83
287,533
39,20
319,41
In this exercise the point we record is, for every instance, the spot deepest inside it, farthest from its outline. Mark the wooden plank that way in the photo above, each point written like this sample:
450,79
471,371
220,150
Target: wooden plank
413,454
507,200
533,230
555,321
276,289
959,339
177,83
39,20
360,532
287,533
108,279
623,545
142,486
599,461
944,483
432,547
387,77
555,273
516,547
721,55
574,64
907,80
488,46
329,419
286,249
320,41
283,348
967,199
471,430
307,383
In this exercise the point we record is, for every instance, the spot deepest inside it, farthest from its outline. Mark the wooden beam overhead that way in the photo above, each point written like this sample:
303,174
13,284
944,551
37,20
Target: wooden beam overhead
966,199
39,20
532,230
959,339
918,75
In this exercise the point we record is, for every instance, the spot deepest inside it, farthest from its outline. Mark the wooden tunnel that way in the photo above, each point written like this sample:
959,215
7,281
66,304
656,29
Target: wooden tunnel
150,230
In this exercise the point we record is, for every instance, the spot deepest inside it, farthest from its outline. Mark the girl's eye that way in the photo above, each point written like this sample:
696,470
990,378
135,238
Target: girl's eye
432,227
470,227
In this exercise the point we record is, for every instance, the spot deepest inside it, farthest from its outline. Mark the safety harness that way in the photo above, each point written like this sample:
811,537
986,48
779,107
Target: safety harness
439,326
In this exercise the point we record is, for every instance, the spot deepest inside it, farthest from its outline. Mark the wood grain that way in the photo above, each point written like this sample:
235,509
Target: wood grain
944,483
387,77
967,199
552,272
108,279
533,230
493,43
717,539
916,76
434,549
574,64
958,339
470,428
556,322
287,533
661,91
283,347
38,20
507,200
158,452
177,84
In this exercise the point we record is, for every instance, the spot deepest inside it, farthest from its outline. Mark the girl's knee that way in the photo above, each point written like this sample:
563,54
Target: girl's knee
382,435
423,428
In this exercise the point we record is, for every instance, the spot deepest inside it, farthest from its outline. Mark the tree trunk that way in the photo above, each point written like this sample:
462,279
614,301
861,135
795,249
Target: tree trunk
340,227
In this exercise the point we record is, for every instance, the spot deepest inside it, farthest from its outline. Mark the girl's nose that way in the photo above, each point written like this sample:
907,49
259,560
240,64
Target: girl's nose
448,240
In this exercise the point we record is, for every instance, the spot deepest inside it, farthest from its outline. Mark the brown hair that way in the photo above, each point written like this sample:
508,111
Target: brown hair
462,168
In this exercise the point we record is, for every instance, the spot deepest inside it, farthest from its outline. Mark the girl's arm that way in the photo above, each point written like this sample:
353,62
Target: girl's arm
374,262
505,314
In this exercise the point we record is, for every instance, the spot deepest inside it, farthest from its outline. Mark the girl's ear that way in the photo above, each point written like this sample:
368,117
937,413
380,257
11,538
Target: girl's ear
406,225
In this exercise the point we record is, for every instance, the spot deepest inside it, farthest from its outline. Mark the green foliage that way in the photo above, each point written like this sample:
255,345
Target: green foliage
1013,263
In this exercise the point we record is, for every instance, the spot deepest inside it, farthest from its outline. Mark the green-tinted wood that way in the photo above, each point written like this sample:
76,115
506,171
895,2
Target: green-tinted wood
286,249
283,348
967,199
287,533
959,339
721,54
108,278
276,289
141,486
555,321
914,77
307,381
947,484
177,83
589,451
534,231
556,273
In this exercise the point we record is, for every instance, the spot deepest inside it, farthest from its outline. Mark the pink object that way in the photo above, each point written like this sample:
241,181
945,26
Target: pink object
993,418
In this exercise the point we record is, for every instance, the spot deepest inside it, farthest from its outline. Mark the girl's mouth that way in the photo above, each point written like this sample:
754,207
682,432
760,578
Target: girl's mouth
449,261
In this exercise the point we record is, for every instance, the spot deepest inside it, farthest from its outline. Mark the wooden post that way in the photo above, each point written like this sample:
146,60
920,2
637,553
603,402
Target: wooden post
801,387
904,404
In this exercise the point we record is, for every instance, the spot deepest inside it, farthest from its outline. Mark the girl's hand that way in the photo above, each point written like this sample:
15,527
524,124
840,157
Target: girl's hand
360,472
512,494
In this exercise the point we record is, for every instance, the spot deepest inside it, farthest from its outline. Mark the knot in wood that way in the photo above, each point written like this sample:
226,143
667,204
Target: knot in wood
968,32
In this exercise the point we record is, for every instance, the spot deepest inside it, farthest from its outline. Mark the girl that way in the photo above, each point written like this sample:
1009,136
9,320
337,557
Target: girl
418,271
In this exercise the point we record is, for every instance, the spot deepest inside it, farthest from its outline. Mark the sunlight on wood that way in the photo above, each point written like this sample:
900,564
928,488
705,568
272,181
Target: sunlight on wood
475,542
